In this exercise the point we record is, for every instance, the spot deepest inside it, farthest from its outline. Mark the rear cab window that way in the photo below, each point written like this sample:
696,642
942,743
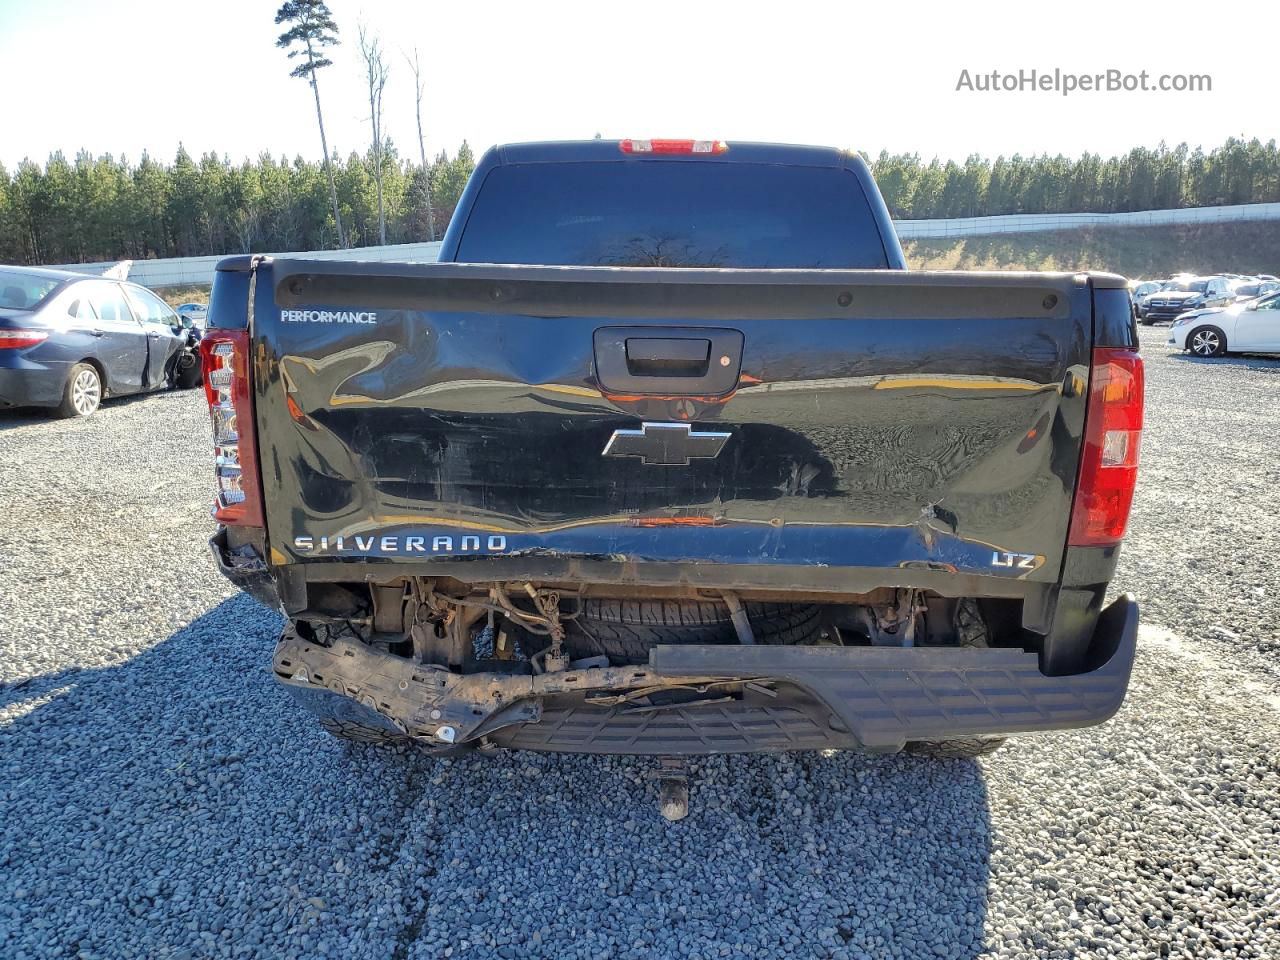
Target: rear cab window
655,213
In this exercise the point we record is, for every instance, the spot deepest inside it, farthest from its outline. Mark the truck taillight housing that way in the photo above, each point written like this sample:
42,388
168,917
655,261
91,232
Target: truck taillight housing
224,355
1109,461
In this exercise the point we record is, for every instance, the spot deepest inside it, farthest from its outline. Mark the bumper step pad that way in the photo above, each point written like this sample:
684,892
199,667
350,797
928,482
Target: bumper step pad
887,696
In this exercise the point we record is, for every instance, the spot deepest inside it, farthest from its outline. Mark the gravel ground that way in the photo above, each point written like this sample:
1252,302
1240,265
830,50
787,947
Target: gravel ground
161,797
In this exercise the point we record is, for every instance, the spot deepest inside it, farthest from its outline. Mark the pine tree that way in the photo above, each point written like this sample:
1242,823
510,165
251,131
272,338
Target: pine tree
313,29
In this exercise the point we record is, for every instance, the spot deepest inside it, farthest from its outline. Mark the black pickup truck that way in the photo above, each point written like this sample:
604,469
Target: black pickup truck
669,454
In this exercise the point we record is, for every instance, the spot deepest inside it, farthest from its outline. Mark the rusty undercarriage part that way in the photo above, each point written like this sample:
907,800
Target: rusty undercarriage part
895,623
440,624
548,620
441,620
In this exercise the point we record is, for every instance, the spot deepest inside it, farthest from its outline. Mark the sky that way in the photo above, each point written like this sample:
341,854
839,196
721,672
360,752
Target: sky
137,75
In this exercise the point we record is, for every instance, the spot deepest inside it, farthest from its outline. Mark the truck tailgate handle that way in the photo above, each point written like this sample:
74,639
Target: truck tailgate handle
668,361
667,357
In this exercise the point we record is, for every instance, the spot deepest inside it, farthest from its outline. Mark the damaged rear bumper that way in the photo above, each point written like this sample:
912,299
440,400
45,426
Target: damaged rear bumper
245,569
745,698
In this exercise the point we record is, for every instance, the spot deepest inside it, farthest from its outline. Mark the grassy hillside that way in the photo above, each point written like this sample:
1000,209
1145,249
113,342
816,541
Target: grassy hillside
1132,251
189,293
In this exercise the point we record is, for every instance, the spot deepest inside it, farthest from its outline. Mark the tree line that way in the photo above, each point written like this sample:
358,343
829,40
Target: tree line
1163,178
106,208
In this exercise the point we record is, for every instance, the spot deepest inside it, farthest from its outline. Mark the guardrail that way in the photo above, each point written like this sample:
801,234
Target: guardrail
192,270
1037,222
181,271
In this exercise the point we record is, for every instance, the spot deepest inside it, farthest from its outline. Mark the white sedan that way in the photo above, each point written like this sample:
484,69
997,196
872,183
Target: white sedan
1252,327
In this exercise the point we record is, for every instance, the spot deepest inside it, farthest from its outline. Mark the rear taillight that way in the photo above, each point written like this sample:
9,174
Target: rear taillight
225,358
17,339
673,146
1109,462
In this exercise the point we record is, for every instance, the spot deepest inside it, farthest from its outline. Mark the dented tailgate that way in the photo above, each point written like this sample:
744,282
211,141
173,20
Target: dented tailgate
879,420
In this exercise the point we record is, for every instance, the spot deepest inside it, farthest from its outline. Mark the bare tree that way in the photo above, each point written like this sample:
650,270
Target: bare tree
313,26
376,71
419,86
287,224
245,225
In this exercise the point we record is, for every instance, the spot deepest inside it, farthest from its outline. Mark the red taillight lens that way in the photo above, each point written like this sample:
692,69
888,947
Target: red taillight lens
224,355
17,339
673,146
1109,462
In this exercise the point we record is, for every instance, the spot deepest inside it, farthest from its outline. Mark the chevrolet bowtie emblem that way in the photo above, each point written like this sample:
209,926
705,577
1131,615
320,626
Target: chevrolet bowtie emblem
665,444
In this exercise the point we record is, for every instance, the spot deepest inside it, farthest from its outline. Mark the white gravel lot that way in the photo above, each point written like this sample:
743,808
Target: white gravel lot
161,797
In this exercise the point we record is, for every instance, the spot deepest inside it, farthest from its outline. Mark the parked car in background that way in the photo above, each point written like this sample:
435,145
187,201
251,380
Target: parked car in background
1252,327
1255,287
1245,293
1141,293
67,341
1180,295
197,313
